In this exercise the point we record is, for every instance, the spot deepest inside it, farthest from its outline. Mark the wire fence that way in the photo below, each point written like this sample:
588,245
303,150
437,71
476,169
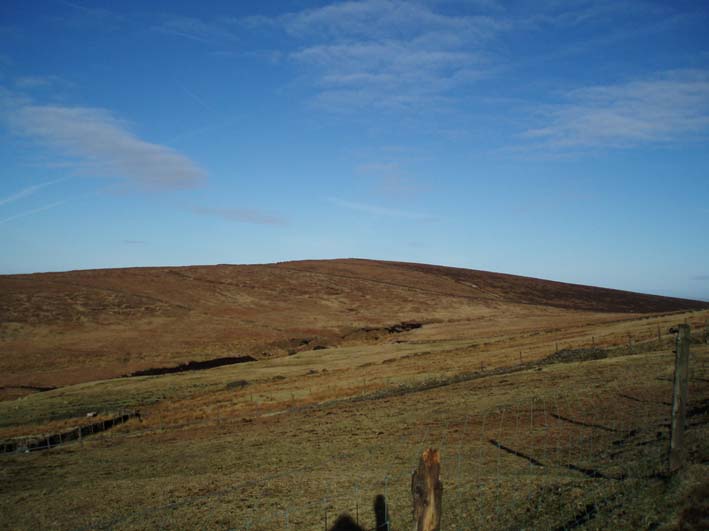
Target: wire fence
554,457
652,336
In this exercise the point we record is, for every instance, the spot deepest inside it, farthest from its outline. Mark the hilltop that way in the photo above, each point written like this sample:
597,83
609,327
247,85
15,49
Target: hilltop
70,327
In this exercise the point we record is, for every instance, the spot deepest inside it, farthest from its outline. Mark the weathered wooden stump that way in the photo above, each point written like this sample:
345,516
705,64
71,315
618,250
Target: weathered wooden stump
679,396
427,492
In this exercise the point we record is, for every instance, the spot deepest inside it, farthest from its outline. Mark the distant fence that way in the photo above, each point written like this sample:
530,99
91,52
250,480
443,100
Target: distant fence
565,350
45,442
554,462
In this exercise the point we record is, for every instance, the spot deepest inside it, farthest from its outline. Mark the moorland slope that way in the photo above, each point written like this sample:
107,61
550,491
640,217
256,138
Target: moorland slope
70,327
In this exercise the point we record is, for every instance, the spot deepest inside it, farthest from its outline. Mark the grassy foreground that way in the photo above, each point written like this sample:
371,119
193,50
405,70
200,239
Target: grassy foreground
290,443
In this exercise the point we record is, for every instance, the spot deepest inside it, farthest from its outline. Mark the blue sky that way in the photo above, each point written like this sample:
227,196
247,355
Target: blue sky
560,139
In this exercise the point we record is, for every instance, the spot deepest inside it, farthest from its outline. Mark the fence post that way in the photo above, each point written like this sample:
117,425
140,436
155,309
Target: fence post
325,512
679,396
427,491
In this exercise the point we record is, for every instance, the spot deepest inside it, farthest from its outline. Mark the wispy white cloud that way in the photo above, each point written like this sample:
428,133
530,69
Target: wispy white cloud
391,179
385,19
241,215
381,211
26,192
209,127
270,56
574,13
98,12
97,139
416,55
195,29
78,15
387,54
668,107
380,168
43,82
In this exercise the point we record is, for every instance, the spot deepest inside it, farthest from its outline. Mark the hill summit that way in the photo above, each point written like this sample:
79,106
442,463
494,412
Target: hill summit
70,327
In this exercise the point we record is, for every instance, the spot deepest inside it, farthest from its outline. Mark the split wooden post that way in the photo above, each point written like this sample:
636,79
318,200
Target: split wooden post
679,396
427,492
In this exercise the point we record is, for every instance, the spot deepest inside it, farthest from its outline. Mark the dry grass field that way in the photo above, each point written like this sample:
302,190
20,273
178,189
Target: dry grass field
341,402
65,328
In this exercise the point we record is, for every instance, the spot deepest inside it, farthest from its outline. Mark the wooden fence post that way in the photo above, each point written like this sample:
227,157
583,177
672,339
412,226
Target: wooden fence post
427,491
679,396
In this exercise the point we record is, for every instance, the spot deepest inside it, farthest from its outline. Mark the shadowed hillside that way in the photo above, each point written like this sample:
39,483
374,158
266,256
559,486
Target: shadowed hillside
61,328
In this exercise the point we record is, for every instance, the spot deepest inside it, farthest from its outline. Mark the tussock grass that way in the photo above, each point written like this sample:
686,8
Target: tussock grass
322,432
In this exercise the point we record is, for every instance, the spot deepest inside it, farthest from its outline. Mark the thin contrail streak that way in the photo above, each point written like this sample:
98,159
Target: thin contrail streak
33,211
48,206
200,130
27,191
194,97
